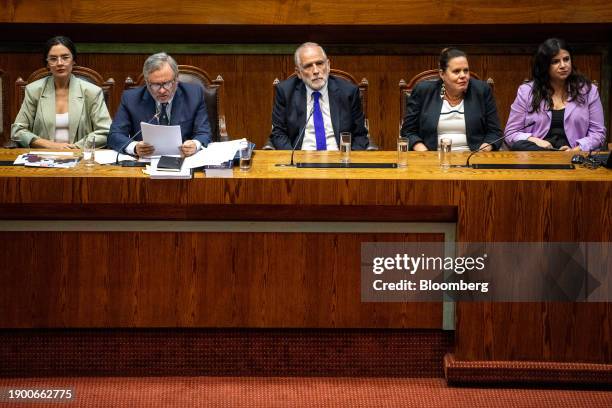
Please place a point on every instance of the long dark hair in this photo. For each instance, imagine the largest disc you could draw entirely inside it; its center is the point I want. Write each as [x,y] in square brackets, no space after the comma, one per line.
[577,84]
[59,40]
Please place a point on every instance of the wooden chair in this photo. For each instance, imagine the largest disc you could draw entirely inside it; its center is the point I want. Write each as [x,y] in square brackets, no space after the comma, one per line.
[86,74]
[212,96]
[429,75]
[5,126]
[363,95]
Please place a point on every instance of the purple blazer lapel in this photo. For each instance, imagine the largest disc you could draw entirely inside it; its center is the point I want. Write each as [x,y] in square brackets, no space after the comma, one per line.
[569,108]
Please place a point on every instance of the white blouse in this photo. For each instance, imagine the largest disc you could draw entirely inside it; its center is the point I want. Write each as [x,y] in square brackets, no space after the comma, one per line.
[452,125]
[62,134]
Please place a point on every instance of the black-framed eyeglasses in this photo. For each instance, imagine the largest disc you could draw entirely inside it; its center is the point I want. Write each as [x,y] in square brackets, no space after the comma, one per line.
[54,60]
[155,87]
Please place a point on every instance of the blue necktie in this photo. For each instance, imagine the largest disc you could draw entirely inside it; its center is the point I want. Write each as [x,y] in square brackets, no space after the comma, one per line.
[317,117]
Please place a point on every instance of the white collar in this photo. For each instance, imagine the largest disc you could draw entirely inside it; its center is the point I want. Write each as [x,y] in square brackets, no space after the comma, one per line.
[322,91]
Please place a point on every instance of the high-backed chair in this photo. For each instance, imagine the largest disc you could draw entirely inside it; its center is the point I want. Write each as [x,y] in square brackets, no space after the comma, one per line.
[86,74]
[429,75]
[363,95]
[4,112]
[212,96]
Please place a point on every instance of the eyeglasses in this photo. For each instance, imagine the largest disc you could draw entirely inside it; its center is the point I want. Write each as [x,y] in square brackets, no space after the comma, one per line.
[155,87]
[62,58]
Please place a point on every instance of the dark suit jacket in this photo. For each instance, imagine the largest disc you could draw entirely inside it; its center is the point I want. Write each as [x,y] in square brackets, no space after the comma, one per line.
[137,105]
[289,114]
[423,113]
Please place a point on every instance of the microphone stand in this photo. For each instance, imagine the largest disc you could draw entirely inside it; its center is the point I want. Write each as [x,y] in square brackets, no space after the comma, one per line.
[300,136]
[467,162]
[131,139]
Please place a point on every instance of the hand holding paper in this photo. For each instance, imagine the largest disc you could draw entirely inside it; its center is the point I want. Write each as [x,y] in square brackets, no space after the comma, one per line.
[166,140]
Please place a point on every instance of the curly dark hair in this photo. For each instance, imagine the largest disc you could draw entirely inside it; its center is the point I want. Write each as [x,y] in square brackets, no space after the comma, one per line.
[578,85]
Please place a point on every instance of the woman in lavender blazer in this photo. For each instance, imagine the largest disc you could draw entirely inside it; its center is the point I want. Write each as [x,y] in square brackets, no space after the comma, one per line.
[559,109]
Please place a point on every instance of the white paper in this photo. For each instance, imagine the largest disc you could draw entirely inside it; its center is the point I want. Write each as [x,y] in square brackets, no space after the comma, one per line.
[166,140]
[214,154]
[106,156]
[20,159]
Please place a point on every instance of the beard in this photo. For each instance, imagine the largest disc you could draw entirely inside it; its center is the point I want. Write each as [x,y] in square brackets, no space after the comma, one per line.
[317,84]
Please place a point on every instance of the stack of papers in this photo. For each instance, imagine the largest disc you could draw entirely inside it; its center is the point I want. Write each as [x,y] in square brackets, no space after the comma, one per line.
[105,156]
[154,173]
[214,155]
[217,159]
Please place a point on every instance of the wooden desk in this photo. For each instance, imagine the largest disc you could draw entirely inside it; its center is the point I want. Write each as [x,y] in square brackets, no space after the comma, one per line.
[239,252]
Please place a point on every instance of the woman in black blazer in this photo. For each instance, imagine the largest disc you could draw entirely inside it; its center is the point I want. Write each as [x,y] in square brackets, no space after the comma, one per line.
[455,106]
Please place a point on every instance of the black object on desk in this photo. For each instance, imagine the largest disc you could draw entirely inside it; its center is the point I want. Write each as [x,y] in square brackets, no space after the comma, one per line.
[497,166]
[605,159]
[346,165]
[132,163]
[170,163]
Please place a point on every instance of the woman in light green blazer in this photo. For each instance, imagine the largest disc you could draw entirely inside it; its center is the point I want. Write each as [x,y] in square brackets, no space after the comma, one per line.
[60,111]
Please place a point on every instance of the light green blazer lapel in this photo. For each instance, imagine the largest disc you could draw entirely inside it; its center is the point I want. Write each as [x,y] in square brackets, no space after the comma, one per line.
[47,107]
[75,106]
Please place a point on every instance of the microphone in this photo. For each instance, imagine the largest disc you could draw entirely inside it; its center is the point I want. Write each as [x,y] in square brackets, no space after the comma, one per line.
[467,162]
[300,136]
[131,139]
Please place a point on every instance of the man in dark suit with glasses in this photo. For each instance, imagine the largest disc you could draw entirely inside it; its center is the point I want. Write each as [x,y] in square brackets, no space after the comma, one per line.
[165,101]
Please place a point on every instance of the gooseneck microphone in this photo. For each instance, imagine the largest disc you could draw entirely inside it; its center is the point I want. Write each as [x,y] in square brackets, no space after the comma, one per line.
[300,136]
[131,139]
[467,162]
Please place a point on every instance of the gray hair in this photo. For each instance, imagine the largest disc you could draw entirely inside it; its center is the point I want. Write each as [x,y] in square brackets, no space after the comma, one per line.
[157,61]
[296,55]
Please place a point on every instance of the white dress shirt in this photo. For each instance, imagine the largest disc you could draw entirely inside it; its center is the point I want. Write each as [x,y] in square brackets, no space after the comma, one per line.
[310,140]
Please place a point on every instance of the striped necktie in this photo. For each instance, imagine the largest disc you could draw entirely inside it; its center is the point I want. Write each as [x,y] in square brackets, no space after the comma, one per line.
[163,117]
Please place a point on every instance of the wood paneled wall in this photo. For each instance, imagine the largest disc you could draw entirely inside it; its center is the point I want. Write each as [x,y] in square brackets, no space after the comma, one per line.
[248,82]
[281,12]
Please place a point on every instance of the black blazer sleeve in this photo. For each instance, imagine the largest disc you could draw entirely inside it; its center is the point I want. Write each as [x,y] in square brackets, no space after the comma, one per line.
[280,127]
[359,132]
[493,128]
[412,119]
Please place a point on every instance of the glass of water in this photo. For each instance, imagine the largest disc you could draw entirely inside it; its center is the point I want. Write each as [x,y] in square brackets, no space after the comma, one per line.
[402,152]
[444,152]
[245,157]
[89,151]
[345,147]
